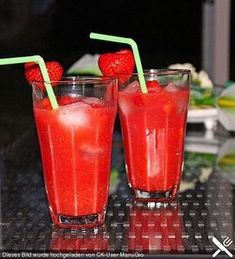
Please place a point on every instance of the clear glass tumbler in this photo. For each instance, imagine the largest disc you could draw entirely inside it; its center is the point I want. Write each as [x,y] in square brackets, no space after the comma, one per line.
[153,129]
[76,142]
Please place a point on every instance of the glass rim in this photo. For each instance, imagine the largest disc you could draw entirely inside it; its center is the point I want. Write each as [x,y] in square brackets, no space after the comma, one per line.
[167,71]
[83,79]
[160,72]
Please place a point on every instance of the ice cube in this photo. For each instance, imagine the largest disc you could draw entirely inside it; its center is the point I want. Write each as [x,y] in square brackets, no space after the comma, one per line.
[133,87]
[125,105]
[93,101]
[171,87]
[74,115]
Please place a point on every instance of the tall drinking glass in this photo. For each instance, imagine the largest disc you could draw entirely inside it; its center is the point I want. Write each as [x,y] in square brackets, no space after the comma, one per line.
[153,129]
[75,142]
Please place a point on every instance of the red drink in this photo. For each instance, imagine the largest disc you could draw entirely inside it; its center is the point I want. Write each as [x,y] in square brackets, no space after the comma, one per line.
[153,128]
[75,143]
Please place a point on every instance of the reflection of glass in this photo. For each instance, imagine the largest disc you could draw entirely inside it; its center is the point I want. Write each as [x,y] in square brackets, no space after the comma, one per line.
[155,229]
[70,240]
[153,127]
[76,141]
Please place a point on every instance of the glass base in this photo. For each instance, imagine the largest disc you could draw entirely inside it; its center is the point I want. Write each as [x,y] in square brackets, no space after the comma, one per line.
[79,222]
[155,196]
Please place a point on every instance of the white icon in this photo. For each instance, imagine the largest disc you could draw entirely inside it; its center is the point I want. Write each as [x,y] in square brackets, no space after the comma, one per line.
[227,242]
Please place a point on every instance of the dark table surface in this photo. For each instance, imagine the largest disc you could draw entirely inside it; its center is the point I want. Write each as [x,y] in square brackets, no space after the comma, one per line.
[205,206]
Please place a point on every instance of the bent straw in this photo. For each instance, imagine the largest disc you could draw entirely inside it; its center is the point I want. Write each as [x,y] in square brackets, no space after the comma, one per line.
[39,60]
[135,50]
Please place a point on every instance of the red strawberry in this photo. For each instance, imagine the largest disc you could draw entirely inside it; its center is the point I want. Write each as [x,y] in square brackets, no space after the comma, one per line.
[33,72]
[153,86]
[120,64]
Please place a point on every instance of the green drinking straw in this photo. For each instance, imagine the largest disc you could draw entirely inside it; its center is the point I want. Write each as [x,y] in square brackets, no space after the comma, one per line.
[39,60]
[134,47]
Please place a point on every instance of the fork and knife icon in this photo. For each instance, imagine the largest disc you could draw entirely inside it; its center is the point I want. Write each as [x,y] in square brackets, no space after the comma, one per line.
[222,247]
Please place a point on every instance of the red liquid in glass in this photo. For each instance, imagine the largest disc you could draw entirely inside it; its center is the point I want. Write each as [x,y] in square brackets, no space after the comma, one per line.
[153,128]
[75,143]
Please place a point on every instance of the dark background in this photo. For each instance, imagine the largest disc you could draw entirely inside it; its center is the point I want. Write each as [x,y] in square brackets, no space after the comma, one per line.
[166,32]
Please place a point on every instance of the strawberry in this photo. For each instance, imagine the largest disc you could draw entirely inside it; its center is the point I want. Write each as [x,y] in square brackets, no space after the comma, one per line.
[119,64]
[33,72]
[153,86]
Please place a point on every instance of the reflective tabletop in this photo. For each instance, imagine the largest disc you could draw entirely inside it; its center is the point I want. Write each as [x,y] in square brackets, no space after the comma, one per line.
[187,228]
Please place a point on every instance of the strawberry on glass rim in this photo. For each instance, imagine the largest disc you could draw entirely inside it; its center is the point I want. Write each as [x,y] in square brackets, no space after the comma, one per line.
[33,72]
[120,64]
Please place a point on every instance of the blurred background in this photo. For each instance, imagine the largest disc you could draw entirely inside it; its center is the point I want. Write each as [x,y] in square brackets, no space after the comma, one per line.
[166,31]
